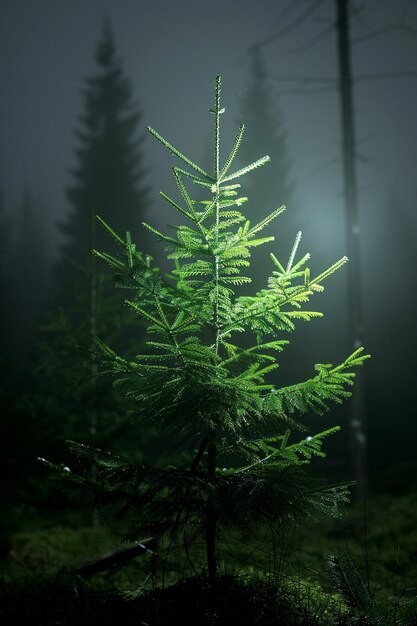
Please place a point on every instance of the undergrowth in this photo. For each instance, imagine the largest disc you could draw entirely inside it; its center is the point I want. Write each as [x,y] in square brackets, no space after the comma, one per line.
[295,584]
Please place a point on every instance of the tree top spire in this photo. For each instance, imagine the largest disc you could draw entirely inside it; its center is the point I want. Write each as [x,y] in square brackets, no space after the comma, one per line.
[106,50]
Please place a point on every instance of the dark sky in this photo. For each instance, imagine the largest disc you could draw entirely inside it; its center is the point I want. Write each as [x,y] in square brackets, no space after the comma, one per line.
[172,51]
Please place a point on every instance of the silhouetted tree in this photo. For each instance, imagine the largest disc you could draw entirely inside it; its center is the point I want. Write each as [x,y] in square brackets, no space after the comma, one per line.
[396,225]
[67,398]
[265,130]
[271,186]
[344,83]
[109,169]
[106,182]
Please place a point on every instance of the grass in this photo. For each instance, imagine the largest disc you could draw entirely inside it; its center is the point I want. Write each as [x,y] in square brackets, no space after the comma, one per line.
[290,586]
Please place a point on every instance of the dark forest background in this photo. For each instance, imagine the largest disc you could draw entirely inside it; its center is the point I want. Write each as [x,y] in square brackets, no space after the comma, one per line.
[65,158]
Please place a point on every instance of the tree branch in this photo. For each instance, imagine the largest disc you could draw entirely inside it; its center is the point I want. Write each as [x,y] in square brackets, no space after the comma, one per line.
[305,79]
[331,84]
[115,559]
[320,168]
[400,27]
[386,75]
[306,92]
[293,25]
[312,42]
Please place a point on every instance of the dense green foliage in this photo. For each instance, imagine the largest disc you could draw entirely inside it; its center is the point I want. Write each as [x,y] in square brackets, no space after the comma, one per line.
[241,462]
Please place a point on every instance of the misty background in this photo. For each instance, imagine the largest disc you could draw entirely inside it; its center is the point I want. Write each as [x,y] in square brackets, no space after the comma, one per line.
[278,62]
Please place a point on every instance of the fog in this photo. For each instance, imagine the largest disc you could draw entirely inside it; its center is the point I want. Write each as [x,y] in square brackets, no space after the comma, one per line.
[171,53]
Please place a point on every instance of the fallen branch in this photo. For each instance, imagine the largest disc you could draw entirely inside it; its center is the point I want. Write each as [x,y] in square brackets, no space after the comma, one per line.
[114,559]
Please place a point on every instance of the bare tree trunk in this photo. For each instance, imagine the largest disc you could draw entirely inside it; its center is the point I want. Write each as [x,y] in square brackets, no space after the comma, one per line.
[357,438]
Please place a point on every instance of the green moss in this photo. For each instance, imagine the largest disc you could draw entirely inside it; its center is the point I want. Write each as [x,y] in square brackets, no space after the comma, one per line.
[38,561]
[381,537]
[50,550]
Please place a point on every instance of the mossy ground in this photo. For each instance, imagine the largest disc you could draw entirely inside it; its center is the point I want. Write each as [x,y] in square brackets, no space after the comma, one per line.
[291,587]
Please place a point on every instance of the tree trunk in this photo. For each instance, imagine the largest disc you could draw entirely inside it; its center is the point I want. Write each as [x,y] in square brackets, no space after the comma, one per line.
[211,521]
[357,438]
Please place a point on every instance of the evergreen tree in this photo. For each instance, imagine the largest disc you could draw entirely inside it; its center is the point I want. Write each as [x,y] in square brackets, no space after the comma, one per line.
[243,463]
[265,130]
[107,179]
[109,169]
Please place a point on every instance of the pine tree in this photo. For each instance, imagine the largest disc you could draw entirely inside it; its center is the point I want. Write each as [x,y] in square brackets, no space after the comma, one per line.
[243,451]
[108,177]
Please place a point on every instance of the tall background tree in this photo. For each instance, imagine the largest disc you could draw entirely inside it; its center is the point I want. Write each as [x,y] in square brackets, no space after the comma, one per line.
[399,234]
[108,176]
[273,185]
[107,180]
[265,130]
[339,23]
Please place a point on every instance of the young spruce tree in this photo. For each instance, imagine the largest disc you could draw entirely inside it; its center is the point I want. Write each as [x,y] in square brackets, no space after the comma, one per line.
[242,465]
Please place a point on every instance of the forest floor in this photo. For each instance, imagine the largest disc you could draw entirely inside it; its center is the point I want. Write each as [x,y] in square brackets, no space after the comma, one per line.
[291,585]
